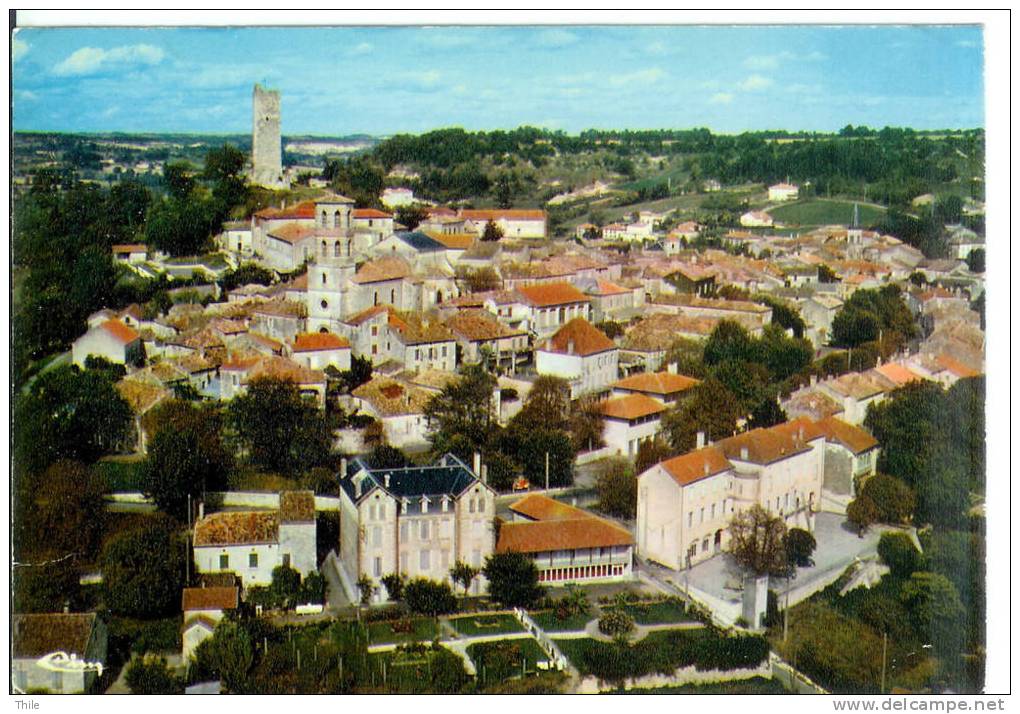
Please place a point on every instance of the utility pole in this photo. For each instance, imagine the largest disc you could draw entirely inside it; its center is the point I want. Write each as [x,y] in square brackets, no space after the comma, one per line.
[187,547]
[786,614]
[547,471]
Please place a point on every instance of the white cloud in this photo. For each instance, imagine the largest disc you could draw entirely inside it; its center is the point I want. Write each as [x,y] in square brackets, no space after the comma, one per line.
[966,43]
[25,95]
[763,61]
[361,49]
[556,38]
[89,60]
[19,48]
[642,76]
[754,82]
[720,98]
[428,78]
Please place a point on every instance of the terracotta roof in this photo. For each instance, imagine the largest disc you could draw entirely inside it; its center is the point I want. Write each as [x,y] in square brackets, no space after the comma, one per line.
[134,310]
[141,396]
[479,325]
[955,366]
[570,534]
[579,337]
[120,332]
[436,379]
[130,248]
[606,288]
[814,402]
[297,507]
[238,528]
[629,407]
[392,398]
[763,446]
[897,373]
[551,294]
[659,331]
[315,341]
[281,308]
[273,367]
[414,329]
[856,385]
[368,314]
[453,241]
[41,634]
[385,268]
[371,213]
[542,508]
[696,465]
[305,209]
[292,233]
[656,383]
[714,303]
[852,437]
[209,599]
[507,213]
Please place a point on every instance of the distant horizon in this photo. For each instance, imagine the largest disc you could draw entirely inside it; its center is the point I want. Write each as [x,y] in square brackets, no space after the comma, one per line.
[380,81]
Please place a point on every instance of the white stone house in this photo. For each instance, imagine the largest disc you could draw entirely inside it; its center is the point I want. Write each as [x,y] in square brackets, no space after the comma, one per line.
[629,421]
[515,223]
[318,350]
[112,340]
[756,219]
[784,192]
[79,635]
[130,254]
[417,520]
[250,544]
[204,608]
[567,544]
[582,354]
[399,407]
[552,305]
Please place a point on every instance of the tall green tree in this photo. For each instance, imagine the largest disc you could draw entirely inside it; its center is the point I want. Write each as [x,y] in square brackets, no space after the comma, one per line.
[758,542]
[616,487]
[143,570]
[461,417]
[513,579]
[711,409]
[279,429]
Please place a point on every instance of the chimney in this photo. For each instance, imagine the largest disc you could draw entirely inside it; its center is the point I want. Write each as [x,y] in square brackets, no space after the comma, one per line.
[701,440]
[706,468]
[476,463]
[485,473]
[343,468]
[201,510]
[743,453]
[357,488]
[386,480]
[570,347]
[672,368]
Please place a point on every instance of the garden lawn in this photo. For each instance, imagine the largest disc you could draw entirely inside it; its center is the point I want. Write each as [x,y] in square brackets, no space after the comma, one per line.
[423,630]
[818,212]
[658,613]
[548,621]
[502,660]
[471,626]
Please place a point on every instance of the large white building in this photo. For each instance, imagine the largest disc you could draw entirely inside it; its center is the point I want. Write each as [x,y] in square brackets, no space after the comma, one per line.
[33,637]
[784,192]
[112,340]
[685,504]
[418,520]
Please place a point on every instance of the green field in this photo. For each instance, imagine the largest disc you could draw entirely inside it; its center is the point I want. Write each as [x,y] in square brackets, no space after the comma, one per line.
[820,212]
[498,661]
[548,621]
[423,630]
[486,625]
[656,613]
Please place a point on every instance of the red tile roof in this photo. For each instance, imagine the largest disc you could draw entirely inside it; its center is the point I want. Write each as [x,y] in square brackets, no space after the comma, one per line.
[238,528]
[957,367]
[368,314]
[130,248]
[479,325]
[315,341]
[542,508]
[385,268]
[297,507]
[852,437]
[305,209]
[579,337]
[632,406]
[550,294]
[656,383]
[763,446]
[569,534]
[897,373]
[371,213]
[41,634]
[696,465]
[120,332]
[218,598]
[292,233]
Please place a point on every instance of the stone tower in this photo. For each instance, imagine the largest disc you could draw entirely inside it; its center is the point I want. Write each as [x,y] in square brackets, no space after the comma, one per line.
[266,153]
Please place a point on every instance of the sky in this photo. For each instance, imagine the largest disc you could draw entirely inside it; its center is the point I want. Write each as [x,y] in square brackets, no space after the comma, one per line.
[338,81]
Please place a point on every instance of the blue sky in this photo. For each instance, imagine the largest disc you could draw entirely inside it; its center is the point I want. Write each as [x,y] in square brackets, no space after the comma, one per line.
[382,80]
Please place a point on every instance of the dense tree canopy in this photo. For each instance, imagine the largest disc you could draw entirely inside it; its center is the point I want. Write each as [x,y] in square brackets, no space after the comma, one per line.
[279,429]
[758,542]
[711,409]
[461,416]
[616,487]
[867,313]
[513,579]
[143,571]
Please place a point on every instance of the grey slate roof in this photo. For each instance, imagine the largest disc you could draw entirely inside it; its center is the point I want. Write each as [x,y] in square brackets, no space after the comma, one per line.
[421,242]
[448,477]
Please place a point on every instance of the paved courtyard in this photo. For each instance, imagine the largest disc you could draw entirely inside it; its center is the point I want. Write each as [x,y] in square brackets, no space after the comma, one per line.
[717,581]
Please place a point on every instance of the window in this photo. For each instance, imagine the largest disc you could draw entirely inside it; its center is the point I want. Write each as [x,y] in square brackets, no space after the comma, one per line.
[375,330]
[286,560]
[324,304]
[444,350]
[336,249]
[424,560]
[702,518]
[323,278]
[224,561]
[690,518]
[253,560]
[424,506]
[471,505]
[424,530]
[481,505]
[393,296]
[403,531]
[377,567]
[336,219]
